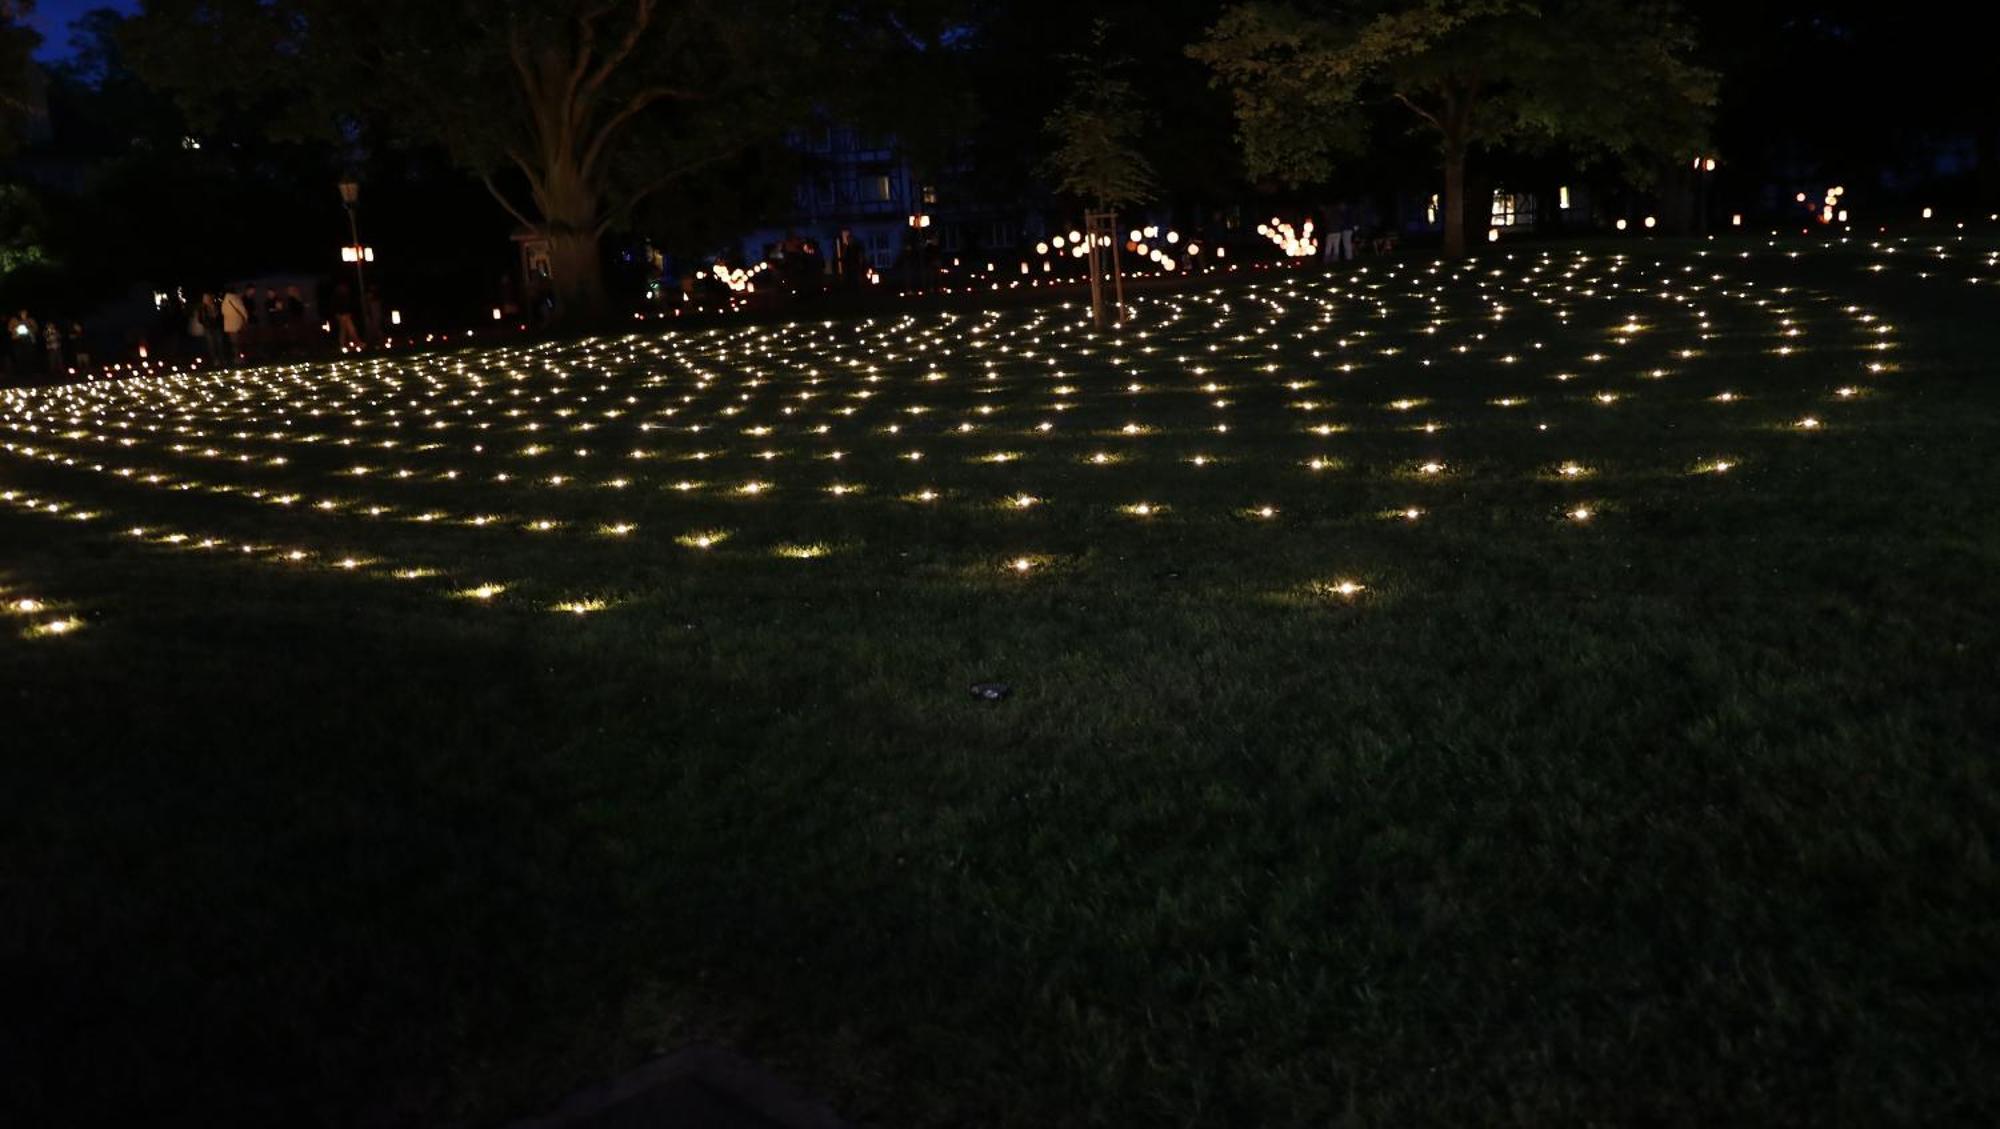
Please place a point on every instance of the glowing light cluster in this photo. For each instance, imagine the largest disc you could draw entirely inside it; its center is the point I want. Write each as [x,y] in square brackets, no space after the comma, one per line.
[1297,243]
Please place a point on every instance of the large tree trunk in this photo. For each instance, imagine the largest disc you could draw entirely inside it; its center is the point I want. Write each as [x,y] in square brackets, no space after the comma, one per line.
[576,274]
[570,222]
[1454,197]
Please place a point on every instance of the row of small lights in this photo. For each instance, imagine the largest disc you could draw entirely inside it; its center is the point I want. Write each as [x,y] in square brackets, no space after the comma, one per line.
[1147,509]
[35,610]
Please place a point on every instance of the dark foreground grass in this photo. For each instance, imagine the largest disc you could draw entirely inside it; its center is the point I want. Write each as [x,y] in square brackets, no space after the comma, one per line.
[1683,813]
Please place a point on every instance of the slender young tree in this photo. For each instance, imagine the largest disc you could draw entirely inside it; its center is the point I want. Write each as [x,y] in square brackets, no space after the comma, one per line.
[1096,131]
[1612,75]
[18,77]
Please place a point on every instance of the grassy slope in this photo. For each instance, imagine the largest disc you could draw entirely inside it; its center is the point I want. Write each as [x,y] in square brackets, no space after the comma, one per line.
[1686,812]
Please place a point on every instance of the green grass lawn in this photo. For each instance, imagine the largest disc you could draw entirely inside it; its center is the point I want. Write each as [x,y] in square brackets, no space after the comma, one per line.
[1449,739]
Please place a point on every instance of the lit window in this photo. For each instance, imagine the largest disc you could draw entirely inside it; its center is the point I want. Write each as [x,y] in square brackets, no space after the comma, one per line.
[1512,208]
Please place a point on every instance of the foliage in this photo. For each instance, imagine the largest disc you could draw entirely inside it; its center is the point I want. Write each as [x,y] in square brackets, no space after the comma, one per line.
[572,113]
[137,198]
[1096,130]
[19,77]
[1607,74]
[22,230]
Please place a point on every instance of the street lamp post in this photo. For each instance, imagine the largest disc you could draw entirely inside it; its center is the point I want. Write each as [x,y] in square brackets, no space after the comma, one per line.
[919,223]
[1704,179]
[350,195]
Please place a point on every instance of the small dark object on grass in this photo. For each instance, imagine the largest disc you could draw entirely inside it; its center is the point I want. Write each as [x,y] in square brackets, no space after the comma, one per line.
[991,691]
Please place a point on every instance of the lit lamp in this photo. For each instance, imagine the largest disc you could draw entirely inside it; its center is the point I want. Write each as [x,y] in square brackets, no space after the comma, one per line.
[918,222]
[354,252]
[1704,187]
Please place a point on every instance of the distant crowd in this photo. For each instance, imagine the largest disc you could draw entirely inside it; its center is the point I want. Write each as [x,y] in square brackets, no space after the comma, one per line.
[219,328]
[241,324]
[38,349]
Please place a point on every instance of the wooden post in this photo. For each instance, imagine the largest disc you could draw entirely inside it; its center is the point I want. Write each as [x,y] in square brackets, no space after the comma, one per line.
[1101,229]
[1096,273]
[1118,270]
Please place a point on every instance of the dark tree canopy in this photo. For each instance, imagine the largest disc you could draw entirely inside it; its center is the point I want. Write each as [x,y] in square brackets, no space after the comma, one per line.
[1609,74]
[664,117]
[19,80]
[1096,130]
[572,112]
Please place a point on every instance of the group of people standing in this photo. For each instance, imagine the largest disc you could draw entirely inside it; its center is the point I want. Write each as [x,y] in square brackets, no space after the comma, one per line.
[795,263]
[37,348]
[799,263]
[1337,235]
[236,323]
[1347,228]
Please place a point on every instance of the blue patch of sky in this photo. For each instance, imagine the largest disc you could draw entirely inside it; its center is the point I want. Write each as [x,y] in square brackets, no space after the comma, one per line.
[53,17]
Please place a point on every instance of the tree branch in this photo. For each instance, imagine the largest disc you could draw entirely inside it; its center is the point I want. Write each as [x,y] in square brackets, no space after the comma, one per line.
[642,17]
[586,48]
[630,110]
[1418,110]
[536,186]
[519,54]
[494,188]
[624,209]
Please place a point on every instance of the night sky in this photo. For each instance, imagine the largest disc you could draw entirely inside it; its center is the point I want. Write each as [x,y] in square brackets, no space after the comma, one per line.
[52,19]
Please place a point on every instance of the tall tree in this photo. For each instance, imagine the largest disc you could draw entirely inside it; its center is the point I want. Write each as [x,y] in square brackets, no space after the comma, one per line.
[1607,74]
[1096,130]
[571,112]
[19,78]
